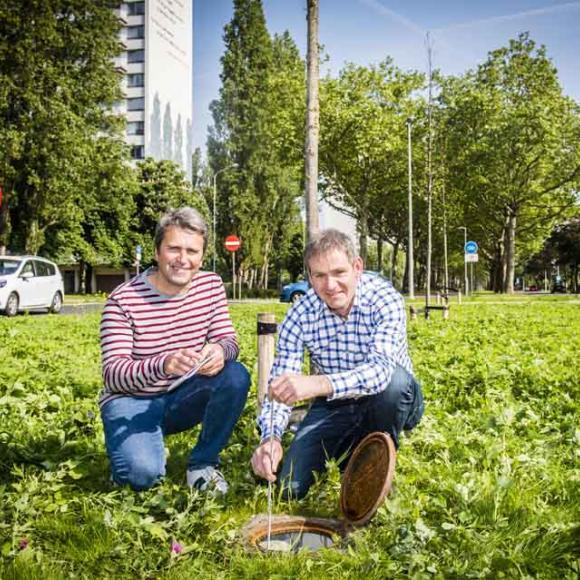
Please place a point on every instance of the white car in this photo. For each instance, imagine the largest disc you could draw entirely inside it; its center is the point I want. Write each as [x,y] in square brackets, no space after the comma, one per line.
[28,283]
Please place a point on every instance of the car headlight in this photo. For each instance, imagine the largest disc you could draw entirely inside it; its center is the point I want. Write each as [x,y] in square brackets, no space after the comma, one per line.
[3,283]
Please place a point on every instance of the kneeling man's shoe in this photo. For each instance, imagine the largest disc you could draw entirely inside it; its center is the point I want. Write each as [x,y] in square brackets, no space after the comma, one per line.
[207,479]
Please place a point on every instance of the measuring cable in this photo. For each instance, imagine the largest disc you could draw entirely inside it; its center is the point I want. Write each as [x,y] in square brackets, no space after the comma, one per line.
[271,469]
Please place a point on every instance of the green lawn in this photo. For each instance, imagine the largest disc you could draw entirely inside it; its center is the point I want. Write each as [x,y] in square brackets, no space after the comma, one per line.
[486,487]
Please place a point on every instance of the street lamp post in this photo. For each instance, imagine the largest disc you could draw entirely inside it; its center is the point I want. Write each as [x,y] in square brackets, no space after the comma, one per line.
[214,207]
[465,283]
[410,273]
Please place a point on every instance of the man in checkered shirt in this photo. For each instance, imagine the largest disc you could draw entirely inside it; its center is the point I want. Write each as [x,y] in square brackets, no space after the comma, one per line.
[353,325]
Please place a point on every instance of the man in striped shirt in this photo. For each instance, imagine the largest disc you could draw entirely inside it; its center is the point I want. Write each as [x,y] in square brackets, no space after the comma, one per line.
[170,323]
[353,325]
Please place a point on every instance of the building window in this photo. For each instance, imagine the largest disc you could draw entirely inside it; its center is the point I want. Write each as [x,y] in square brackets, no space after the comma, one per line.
[136,32]
[135,128]
[136,55]
[136,8]
[136,104]
[138,152]
[136,80]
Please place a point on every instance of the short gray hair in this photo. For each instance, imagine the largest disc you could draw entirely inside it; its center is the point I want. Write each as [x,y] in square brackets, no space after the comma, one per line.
[327,241]
[185,218]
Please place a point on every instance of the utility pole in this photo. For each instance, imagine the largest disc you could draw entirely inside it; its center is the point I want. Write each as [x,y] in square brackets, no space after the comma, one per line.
[445,244]
[465,284]
[411,264]
[429,179]
[312,123]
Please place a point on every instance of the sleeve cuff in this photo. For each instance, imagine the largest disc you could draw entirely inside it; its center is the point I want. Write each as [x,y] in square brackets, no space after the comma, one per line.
[276,432]
[160,367]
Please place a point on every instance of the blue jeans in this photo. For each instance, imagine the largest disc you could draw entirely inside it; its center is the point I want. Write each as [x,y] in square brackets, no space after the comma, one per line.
[332,429]
[135,426]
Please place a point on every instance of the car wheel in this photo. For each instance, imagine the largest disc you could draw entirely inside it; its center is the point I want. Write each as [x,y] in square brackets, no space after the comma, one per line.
[56,304]
[12,305]
[296,296]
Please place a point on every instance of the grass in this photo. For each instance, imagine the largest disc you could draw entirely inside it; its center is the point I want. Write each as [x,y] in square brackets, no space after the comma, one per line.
[486,487]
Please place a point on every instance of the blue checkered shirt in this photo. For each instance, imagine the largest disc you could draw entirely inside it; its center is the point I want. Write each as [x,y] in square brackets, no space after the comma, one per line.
[357,354]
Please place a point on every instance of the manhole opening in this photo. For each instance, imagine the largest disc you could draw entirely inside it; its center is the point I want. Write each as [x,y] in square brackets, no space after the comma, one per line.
[294,541]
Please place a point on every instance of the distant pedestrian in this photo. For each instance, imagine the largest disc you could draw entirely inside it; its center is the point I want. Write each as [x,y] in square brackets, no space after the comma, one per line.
[155,328]
[353,325]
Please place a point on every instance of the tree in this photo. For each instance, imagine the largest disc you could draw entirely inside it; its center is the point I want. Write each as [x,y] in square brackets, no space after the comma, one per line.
[99,232]
[363,148]
[512,152]
[562,250]
[57,84]
[256,125]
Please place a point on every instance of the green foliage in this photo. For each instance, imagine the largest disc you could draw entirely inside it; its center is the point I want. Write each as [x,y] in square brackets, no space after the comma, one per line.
[363,146]
[486,486]
[258,125]
[561,248]
[58,83]
[511,152]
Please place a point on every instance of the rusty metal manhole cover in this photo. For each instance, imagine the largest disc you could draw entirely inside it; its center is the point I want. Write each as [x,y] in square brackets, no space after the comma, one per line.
[367,478]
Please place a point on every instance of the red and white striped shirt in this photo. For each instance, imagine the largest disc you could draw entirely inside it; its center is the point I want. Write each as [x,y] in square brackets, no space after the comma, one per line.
[140,327]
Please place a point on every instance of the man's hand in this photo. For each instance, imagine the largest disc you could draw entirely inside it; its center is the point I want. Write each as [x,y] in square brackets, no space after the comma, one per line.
[264,463]
[289,389]
[181,361]
[216,361]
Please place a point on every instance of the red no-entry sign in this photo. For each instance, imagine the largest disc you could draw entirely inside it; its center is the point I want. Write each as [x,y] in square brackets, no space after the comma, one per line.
[232,243]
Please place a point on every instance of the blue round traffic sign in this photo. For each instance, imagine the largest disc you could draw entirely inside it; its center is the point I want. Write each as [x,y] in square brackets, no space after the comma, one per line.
[471,248]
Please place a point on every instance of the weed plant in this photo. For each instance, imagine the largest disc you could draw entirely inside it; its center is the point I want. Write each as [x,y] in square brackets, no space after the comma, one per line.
[486,486]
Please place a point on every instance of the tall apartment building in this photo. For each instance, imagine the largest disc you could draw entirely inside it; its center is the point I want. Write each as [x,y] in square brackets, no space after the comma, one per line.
[157,62]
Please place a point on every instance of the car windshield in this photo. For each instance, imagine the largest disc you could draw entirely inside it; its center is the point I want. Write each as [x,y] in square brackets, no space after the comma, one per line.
[8,266]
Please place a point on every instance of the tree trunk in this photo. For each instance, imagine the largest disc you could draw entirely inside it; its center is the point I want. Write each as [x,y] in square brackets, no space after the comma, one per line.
[503,255]
[510,251]
[82,277]
[394,261]
[405,285]
[363,228]
[265,265]
[4,224]
[379,254]
[495,279]
[34,237]
[90,289]
[312,123]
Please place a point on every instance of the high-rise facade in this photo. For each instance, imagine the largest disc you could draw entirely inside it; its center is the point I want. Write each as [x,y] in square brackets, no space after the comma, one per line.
[157,65]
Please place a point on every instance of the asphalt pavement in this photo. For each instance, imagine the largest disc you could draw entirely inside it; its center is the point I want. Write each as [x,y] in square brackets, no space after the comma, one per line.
[83,308]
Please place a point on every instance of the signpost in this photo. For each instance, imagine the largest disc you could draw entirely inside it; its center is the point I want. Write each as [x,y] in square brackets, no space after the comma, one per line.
[138,256]
[233,244]
[471,247]
[471,256]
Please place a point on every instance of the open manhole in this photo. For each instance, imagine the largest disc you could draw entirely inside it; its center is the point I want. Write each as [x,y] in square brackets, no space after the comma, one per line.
[365,484]
[294,541]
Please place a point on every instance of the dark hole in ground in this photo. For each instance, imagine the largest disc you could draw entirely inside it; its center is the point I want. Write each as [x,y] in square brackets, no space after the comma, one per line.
[295,541]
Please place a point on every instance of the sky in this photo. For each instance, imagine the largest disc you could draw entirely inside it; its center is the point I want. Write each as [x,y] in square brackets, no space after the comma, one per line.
[462,32]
